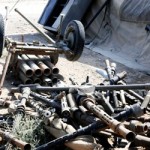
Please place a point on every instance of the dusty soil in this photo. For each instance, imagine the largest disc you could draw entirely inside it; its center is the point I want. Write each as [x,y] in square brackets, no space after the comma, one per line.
[17,26]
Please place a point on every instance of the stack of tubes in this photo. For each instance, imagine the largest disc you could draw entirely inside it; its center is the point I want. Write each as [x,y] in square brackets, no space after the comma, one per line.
[83,117]
[37,69]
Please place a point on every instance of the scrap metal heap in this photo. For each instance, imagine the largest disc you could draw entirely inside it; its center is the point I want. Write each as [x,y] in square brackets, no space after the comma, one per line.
[105,116]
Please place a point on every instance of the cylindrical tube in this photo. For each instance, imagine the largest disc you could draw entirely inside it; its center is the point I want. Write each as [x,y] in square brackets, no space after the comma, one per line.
[37,71]
[24,79]
[53,78]
[45,100]
[97,87]
[9,137]
[115,125]
[55,70]
[25,68]
[136,126]
[45,69]
[65,111]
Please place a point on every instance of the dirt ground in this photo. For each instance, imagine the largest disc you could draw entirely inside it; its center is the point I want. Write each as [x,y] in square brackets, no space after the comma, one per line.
[78,70]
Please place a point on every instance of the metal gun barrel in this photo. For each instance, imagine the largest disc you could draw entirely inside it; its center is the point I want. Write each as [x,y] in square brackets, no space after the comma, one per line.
[45,69]
[97,125]
[25,68]
[65,111]
[45,100]
[36,87]
[9,137]
[37,71]
[115,125]
[136,126]
[24,79]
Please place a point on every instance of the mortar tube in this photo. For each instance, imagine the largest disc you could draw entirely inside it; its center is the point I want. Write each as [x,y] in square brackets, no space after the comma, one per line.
[53,78]
[45,69]
[37,71]
[55,70]
[25,68]
[24,79]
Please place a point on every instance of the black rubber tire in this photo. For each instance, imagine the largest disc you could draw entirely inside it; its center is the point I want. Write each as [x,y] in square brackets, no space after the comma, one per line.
[74,37]
[2,36]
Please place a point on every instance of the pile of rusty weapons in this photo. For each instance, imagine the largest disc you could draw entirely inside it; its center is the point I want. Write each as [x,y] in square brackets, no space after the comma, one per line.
[108,115]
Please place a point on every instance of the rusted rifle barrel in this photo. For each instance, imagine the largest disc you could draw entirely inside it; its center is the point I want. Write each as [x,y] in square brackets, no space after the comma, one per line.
[65,111]
[39,109]
[136,95]
[115,125]
[136,126]
[36,87]
[25,68]
[24,79]
[25,95]
[37,71]
[10,138]
[96,125]
[45,69]
[45,100]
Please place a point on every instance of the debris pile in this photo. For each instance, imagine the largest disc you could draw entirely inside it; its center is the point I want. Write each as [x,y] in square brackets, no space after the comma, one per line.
[105,116]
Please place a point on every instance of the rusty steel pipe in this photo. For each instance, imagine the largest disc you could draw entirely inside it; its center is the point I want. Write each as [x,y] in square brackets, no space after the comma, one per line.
[10,138]
[37,71]
[52,67]
[25,68]
[54,79]
[45,69]
[36,87]
[24,79]
[46,60]
[115,125]
[55,70]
